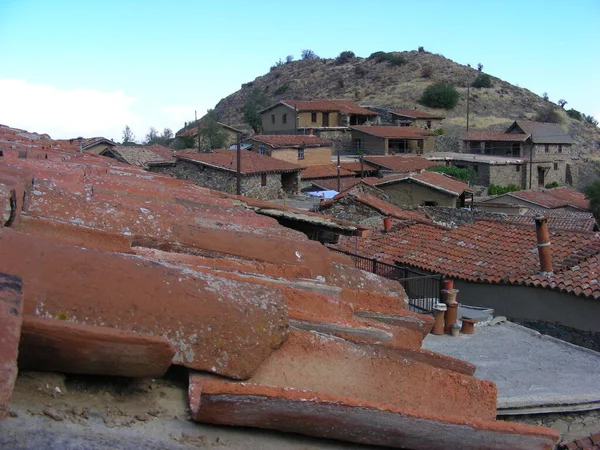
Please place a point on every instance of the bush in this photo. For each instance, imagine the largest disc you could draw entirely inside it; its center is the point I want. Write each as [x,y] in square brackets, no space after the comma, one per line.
[590,119]
[574,114]
[421,49]
[394,60]
[360,71]
[440,95]
[465,175]
[549,114]
[552,185]
[483,80]
[282,89]
[340,83]
[345,57]
[309,54]
[499,190]
[439,132]
[289,58]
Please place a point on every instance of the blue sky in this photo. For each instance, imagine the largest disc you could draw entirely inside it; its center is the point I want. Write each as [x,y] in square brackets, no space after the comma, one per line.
[89,68]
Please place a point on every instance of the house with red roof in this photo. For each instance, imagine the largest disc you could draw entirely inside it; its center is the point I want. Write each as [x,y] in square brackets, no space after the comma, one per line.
[415,118]
[293,116]
[546,147]
[301,149]
[262,177]
[148,157]
[391,140]
[560,199]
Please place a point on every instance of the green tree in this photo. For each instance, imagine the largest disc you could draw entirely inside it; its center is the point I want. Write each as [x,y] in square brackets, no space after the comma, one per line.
[256,101]
[465,175]
[440,95]
[345,57]
[590,119]
[549,114]
[152,137]
[128,137]
[592,193]
[574,114]
[309,54]
[483,80]
[211,133]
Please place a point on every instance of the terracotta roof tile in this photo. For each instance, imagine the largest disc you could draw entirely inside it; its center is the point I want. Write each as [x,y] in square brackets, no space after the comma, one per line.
[400,163]
[142,156]
[355,166]
[252,163]
[413,113]
[291,140]
[324,171]
[565,220]
[393,132]
[434,180]
[554,198]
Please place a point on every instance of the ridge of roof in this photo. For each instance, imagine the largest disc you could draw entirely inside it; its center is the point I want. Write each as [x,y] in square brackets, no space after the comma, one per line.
[252,162]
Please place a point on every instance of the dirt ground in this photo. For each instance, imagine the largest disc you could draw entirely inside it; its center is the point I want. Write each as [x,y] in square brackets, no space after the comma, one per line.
[56,411]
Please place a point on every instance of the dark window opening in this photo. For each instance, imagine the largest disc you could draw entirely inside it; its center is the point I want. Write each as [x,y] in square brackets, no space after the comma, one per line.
[325,119]
[476,169]
[560,149]
[313,117]
[263,179]
[430,203]
[273,119]
[300,153]
[546,148]
[261,149]
[358,143]
[429,124]
[555,166]
[518,168]
[284,118]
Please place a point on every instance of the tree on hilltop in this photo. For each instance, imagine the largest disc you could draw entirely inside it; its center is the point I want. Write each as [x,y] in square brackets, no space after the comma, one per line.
[256,101]
[128,137]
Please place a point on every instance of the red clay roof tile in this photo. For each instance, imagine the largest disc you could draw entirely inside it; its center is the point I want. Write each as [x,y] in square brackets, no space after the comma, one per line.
[252,163]
[554,198]
[400,163]
[291,140]
[324,171]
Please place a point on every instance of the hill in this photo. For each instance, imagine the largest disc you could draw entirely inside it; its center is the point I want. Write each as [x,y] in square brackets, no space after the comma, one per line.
[372,82]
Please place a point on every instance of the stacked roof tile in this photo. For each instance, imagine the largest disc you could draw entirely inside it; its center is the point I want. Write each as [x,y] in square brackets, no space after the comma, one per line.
[251,162]
[142,156]
[324,171]
[291,140]
[400,163]
[565,220]
[553,198]
[107,251]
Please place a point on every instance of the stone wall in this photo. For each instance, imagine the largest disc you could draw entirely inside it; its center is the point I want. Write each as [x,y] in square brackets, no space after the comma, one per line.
[222,180]
[587,339]
[454,217]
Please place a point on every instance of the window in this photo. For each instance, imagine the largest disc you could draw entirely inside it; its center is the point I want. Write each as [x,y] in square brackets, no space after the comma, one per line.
[518,168]
[358,143]
[476,169]
[429,124]
[300,153]
[560,148]
[547,148]
[263,179]
[313,117]
[272,119]
[555,166]
[284,118]
[430,203]
[261,149]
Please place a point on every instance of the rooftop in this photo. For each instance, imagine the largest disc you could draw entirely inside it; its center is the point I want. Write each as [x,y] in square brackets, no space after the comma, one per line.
[469,157]
[291,140]
[565,220]
[142,156]
[415,114]
[343,106]
[399,163]
[393,132]
[521,130]
[252,163]
[551,198]
[324,171]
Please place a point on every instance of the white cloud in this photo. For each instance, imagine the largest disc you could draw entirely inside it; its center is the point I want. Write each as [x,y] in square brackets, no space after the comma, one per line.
[66,113]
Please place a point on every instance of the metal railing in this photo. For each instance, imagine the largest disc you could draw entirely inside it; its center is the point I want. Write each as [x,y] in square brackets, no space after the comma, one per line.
[423,290]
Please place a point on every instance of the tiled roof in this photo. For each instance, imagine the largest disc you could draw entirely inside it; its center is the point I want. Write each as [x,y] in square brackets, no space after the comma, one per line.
[554,198]
[491,252]
[331,184]
[291,140]
[198,279]
[495,136]
[400,163]
[142,156]
[252,163]
[193,130]
[355,166]
[344,106]
[415,114]
[324,171]
[438,181]
[588,443]
[564,220]
[393,132]
[545,133]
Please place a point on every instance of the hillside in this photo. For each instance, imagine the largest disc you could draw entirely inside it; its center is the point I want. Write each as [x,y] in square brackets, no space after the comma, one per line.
[380,84]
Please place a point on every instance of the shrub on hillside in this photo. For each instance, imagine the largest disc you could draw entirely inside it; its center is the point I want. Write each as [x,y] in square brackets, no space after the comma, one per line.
[552,185]
[390,58]
[427,72]
[309,54]
[590,119]
[440,95]
[483,80]
[360,71]
[574,114]
[345,57]
[499,190]
[282,89]
[463,174]
[549,114]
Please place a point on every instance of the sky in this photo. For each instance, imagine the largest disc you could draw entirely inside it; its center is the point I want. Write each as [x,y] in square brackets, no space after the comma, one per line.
[88,68]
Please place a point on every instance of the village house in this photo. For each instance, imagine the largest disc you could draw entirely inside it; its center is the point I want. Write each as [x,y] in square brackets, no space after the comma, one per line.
[497,265]
[546,148]
[399,163]
[329,171]
[151,157]
[414,118]
[262,177]
[294,116]
[391,140]
[231,134]
[562,199]
[302,149]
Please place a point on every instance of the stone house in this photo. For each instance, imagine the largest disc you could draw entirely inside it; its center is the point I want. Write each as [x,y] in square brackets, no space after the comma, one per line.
[322,172]
[414,118]
[230,132]
[546,148]
[97,145]
[262,177]
[148,157]
[558,199]
[391,140]
[302,149]
[293,116]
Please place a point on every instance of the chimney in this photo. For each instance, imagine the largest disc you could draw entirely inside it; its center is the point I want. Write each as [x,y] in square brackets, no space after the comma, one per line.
[387,224]
[311,132]
[79,140]
[543,244]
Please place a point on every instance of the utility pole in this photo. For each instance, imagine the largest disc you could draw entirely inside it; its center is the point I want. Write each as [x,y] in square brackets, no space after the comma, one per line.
[339,183]
[530,160]
[468,101]
[239,166]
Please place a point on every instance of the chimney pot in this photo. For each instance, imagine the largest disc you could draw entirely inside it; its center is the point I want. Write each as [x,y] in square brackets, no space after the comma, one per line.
[543,244]
[387,224]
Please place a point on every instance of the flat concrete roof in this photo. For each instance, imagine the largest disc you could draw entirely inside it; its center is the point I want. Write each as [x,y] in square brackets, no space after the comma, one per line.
[534,373]
[472,157]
